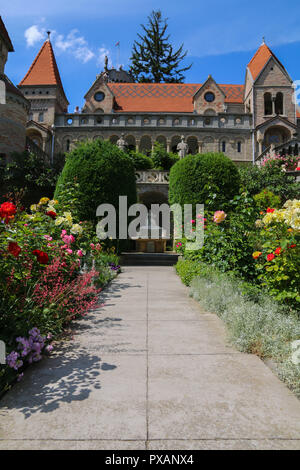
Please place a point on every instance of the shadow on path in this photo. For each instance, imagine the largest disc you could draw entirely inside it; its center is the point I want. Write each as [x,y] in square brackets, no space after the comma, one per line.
[68,376]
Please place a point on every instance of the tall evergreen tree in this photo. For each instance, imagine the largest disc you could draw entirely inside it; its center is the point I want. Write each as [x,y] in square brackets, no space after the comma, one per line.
[153,59]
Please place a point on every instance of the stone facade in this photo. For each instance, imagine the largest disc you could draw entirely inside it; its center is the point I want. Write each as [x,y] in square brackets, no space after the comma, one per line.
[239,120]
[13,106]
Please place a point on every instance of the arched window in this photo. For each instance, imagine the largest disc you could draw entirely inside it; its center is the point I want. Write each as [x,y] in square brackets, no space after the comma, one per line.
[41,117]
[268,104]
[223,146]
[239,147]
[68,145]
[279,103]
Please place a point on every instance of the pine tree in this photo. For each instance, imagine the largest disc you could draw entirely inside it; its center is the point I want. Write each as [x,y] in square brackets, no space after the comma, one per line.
[153,59]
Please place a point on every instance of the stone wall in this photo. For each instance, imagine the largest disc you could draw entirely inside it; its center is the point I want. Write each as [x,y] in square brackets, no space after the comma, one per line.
[13,118]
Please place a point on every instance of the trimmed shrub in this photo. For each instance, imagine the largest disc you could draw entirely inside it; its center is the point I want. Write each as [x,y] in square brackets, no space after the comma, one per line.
[266,199]
[141,161]
[211,179]
[102,172]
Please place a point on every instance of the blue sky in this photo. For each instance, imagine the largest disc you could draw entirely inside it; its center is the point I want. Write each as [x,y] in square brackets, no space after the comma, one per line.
[220,36]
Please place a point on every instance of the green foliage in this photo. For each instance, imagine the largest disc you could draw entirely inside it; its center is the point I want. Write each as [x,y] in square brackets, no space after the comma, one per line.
[278,255]
[141,161]
[47,276]
[255,179]
[102,173]
[162,159]
[153,58]
[188,269]
[29,174]
[265,199]
[211,179]
[256,323]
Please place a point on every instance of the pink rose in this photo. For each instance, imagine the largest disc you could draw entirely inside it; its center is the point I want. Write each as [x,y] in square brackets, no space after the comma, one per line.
[80,253]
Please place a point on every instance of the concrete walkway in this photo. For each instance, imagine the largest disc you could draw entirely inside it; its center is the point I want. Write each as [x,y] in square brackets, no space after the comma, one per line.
[149,370]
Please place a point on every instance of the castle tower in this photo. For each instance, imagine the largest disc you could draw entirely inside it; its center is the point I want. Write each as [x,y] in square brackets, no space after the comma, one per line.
[13,106]
[269,97]
[42,86]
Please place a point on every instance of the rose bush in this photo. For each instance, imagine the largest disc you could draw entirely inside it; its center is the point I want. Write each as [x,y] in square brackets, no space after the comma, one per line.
[278,258]
[49,275]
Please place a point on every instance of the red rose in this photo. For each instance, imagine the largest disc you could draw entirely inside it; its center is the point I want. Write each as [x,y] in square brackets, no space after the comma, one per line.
[41,256]
[7,211]
[270,211]
[278,250]
[51,214]
[270,257]
[293,246]
[14,249]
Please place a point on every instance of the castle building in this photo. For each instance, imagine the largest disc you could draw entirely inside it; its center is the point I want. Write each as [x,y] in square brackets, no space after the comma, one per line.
[243,121]
[13,105]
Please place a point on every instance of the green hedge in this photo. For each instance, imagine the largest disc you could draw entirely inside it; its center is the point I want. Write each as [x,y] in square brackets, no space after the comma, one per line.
[211,179]
[102,172]
[141,161]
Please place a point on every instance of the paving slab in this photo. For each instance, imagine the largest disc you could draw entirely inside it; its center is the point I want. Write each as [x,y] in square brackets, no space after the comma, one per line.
[149,369]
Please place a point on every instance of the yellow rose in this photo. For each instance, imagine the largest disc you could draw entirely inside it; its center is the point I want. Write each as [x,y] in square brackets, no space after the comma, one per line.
[44,200]
[59,220]
[76,229]
[33,208]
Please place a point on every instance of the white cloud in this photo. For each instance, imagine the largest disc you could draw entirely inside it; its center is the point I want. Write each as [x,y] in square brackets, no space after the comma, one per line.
[34,34]
[76,45]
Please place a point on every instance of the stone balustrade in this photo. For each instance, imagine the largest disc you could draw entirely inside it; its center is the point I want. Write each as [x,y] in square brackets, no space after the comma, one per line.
[152,177]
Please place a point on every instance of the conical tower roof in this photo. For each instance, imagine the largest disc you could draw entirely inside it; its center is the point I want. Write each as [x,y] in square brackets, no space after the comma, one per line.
[44,70]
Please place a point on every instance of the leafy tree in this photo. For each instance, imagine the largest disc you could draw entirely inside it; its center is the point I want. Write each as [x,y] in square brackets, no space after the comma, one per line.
[29,176]
[153,59]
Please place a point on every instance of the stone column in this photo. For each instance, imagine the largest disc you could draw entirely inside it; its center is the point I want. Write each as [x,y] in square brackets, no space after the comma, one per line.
[273,105]
[200,146]
[168,146]
[137,145]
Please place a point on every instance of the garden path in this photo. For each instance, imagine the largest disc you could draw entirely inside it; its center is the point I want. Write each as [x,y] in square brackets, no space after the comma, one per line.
[151,370]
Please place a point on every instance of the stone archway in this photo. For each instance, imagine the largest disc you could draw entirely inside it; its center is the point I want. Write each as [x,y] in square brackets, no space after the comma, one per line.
[130,142]
[276,135]
[174,142]
[161,139]
[192,142]
[36,137]
[146,144]
[114,139]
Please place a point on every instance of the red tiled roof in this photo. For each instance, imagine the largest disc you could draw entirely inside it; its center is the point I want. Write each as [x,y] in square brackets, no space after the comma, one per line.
[164,97]
[5,36]
[44,70]
[260,59]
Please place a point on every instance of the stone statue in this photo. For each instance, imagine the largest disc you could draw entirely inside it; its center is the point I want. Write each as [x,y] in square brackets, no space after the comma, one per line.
[106,63]
[121,142]
[182,148]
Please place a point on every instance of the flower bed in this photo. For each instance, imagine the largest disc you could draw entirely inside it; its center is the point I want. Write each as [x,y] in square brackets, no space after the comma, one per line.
[248,273]
[51,272]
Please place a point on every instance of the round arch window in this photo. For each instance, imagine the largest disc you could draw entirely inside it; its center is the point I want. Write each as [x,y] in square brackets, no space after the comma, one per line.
[209,97]
[99,96]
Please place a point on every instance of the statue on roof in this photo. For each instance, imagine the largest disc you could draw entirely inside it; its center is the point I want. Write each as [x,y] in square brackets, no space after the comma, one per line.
[106,63]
